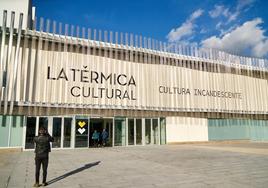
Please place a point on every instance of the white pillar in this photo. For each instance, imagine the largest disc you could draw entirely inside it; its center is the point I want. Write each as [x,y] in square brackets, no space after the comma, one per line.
[37,126]
[127,131]
[73,132]
[135,131]
[9,130]
[143,131]
[151,140]
[24,132]
[113,132]
[62,132]
[158,126]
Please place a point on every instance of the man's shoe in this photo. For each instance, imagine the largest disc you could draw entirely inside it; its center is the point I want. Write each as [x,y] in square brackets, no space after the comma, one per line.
[44,184]
[36,185]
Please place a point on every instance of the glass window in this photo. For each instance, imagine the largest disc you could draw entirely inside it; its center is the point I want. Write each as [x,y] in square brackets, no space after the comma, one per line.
[96,128]
[30,132]
[162,130]
[138,132]
[109,129]
[4,79]
[81,132]
[43,122]
[130,131]
[147,131]
[67,132]
[155,132]
[11,130]
[56,132]
[4,130]
[16,132]
[120,132]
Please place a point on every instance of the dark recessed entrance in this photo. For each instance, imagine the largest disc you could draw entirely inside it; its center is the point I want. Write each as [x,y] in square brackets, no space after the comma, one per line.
[98,124]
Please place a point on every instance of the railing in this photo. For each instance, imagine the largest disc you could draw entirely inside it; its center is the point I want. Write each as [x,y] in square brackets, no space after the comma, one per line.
[10,59]
[140,42]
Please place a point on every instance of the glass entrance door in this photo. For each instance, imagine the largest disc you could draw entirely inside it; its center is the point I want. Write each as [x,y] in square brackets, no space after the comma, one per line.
[120,131]
[147,131]
[67,128]
[155,132]
[30,132]
[162,130]
[33,124]
[56,132]
[108,125]
[138,131]
[96,127]
[43,122]
[81,132]
[131,132]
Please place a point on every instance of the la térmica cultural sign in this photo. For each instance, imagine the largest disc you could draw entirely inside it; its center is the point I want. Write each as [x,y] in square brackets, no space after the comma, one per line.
[100,81]
[93,77]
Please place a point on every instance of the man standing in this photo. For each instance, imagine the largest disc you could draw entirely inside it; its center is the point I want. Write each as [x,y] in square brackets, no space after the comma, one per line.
[104,137]
[42,149]
[95,138]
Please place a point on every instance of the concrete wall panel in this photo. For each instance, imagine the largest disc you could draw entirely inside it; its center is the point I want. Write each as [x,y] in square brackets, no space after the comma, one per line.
[184,129]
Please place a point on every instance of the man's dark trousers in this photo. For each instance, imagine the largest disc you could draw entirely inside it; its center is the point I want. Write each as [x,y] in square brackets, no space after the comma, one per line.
[38,161]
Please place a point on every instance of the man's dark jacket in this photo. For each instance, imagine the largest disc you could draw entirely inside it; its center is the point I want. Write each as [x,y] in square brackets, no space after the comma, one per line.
[42,147]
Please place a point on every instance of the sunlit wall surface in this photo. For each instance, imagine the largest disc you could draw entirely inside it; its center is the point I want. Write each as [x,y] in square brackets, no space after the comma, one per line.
[62,76]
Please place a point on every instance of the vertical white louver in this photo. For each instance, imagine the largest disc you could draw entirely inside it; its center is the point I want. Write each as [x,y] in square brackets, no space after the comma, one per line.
[27,58]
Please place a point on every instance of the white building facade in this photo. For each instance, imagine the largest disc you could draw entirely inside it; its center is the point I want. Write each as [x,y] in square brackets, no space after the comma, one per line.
[74,80]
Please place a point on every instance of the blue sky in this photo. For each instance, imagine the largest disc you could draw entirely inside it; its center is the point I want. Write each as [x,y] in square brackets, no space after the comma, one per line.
[238,26]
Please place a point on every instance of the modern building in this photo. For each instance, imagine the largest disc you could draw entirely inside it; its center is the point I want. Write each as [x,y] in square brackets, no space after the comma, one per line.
[73,81]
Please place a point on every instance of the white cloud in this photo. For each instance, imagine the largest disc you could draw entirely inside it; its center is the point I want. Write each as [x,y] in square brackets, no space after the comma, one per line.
[241,5]
[226,12]
[218,26]
[186,29]
[203,30]
[233,16]
[248,37]
[196,14]
[224,31]
[221,10]
[217,11]
[244,3]
[261,49]
[177,34]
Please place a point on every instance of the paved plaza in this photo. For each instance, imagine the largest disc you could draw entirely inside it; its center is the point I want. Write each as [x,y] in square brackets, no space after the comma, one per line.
[188,165]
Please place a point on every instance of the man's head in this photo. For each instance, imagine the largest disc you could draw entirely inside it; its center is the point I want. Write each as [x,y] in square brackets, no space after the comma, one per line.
[42,131]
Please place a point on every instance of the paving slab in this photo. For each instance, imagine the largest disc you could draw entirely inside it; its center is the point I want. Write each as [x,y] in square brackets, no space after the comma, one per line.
[188,165]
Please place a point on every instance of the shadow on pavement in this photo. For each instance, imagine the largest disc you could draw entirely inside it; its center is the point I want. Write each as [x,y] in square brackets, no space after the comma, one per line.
[86,166]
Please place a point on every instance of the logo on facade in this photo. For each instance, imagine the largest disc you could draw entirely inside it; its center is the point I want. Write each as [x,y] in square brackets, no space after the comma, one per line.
[81,124]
